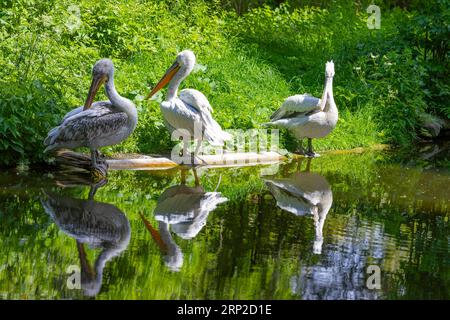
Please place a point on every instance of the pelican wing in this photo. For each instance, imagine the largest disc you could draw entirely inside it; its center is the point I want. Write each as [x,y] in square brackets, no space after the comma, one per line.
[98,104]
[290,201]
[179,115]
[193,108]
[300,120]
[208,203]
[196,99]
[289,123]
[301,193]
[80,127]
[178,203]
[185,205]
[77,111]
[173,191]
[294,105]
[87,221]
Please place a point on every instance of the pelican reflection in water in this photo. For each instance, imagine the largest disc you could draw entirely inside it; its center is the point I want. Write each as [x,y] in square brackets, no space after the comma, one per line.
[100,225]
[304,193]
[185,211]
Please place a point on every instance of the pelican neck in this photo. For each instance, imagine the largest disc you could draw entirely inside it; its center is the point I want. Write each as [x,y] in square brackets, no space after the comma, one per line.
[172,90]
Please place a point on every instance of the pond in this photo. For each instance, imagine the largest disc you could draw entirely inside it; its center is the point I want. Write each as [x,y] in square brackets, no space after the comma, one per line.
[373,225]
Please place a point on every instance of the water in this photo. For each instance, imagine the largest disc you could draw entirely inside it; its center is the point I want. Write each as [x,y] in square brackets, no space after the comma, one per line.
[308,232]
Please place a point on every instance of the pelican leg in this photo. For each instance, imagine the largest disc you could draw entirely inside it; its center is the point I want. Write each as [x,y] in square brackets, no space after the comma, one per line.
[183,153]
[196,158]
[100,157]
[197,181]
[94,157]
[300,150]
[95,187]
[299,165]
[308,165]
[84,262]
[183,176]
[99,169]
[310,152]
[185,148]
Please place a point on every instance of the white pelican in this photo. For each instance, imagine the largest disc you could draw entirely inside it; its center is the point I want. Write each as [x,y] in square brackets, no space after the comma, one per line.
[190,111]
[103,123]
[186,210]
[304,193]
[309,117]
[100,225]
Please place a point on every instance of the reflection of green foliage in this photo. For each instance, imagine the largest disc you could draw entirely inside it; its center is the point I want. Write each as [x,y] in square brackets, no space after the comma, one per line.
[249,248]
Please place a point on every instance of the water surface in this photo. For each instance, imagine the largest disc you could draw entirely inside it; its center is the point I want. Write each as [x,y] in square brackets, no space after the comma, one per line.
[309,231]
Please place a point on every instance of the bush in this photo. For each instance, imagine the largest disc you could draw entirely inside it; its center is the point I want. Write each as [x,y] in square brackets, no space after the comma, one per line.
[248,64]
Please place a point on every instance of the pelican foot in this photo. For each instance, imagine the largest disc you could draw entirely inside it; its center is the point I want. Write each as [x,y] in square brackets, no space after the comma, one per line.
[312,155]
[198,161]
[300,152]
[99,170]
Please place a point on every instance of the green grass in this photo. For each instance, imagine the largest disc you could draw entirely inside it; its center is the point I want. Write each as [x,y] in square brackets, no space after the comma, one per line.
[251,63]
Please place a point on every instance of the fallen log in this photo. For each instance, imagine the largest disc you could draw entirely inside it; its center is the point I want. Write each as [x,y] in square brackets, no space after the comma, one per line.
[77,161]
[70,161]
[220,160]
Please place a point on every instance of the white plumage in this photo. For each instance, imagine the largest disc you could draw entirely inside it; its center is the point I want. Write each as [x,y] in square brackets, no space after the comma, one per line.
[190,110]
[309,117]
[185,210]
[300,103]
[304,193]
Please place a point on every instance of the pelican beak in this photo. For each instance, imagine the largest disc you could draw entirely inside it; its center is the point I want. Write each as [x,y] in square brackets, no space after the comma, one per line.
[85,265]
[97,81]
[165,79]
[155,234]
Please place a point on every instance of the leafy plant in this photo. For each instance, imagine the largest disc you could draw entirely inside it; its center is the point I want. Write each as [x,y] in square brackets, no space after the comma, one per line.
[250,62]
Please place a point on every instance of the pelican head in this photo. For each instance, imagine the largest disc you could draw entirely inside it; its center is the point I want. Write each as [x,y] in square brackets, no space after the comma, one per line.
[185,60]
[102,72]
[329,69]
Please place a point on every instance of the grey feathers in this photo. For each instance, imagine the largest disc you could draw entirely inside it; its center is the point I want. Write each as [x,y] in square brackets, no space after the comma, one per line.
[86,128]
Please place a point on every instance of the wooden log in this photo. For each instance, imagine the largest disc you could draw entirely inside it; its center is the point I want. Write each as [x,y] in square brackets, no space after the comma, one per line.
[71,161]
[220,160]
[146,163]
[229,159]
[359,150]
[242,159]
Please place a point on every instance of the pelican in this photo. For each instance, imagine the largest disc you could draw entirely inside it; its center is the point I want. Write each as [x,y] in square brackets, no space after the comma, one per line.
[186,210]
[309,117]
[100,225]
[98,124]
[191,110]
[304,193]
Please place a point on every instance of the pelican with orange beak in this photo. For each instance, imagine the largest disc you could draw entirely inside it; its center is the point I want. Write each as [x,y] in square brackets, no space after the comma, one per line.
[191,110]
[98,124]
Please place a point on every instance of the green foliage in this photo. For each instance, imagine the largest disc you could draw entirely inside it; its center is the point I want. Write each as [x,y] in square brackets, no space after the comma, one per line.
[378,75]
[428,31]
[22,121]
[248,64]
